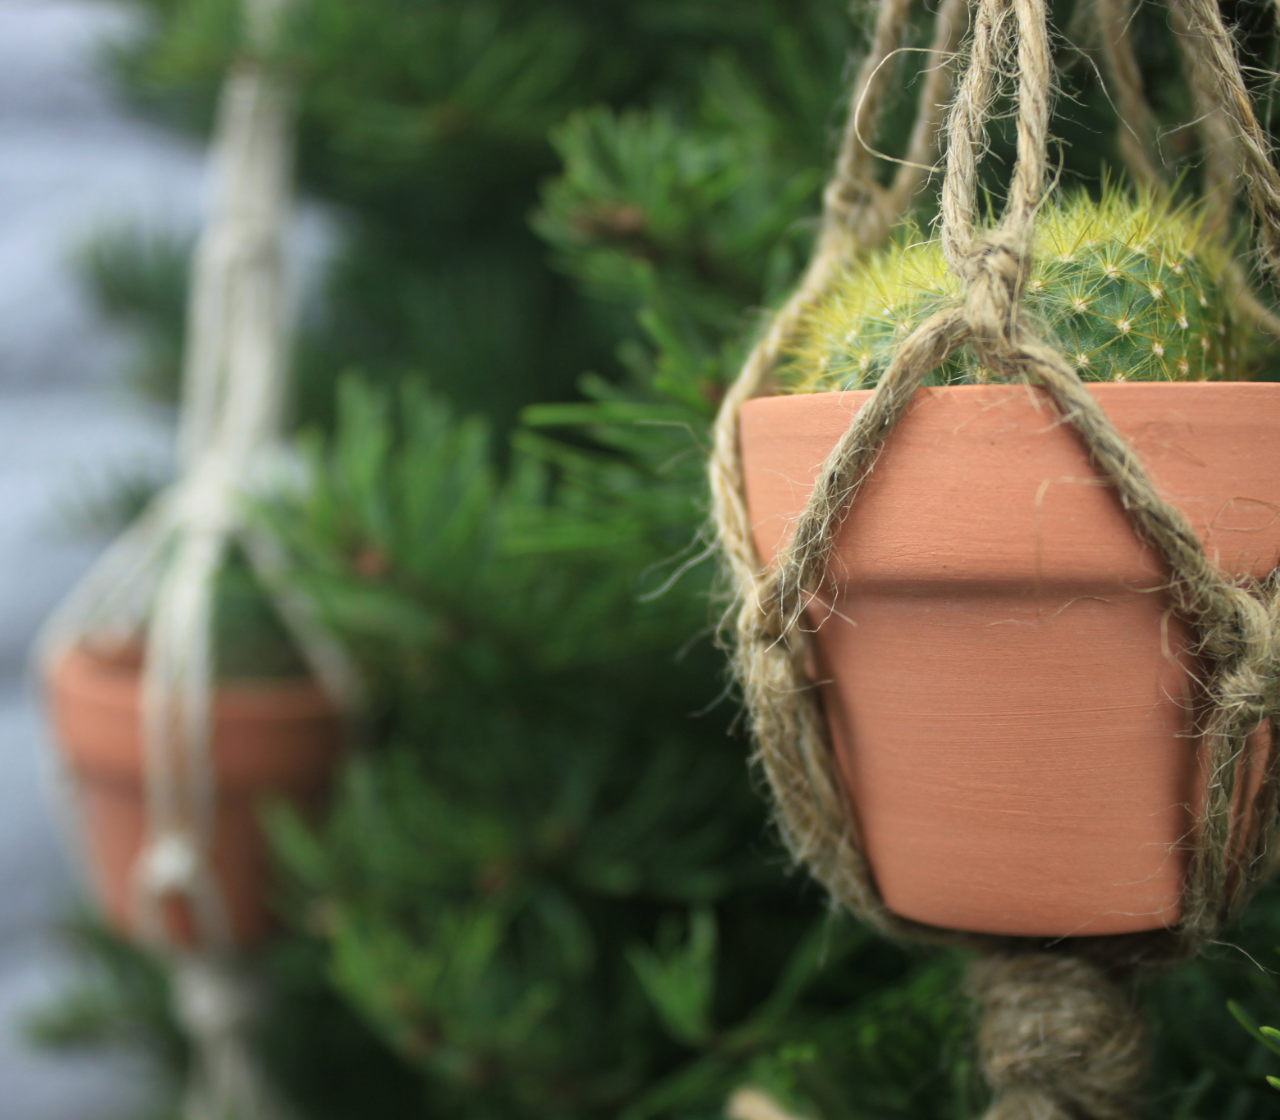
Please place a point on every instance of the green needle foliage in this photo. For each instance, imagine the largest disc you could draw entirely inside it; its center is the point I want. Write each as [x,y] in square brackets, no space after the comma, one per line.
[527,891]
[546,887]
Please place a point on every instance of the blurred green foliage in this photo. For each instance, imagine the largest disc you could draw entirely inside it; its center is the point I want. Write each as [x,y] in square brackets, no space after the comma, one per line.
[547,887]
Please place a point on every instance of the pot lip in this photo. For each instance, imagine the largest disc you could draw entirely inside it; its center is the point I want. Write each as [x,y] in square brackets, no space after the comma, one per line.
[1098,388]
[89,676]
[780,453]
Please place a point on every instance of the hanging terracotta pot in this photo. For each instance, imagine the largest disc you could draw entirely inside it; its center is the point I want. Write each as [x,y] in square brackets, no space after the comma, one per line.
[1012,703]
[271,739]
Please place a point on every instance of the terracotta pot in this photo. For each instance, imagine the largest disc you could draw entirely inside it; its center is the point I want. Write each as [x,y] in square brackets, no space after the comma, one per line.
[271,739]
[1010,700]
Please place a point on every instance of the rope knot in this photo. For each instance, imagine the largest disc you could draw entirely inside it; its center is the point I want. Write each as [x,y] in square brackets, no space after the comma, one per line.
[1059,1038]
[214,999]
[170,864]
[996,272]
[1239,629]
[844,200]
[765,617]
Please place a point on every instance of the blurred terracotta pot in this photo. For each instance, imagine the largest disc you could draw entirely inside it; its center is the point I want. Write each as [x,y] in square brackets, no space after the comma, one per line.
[1010,699]
[271,739]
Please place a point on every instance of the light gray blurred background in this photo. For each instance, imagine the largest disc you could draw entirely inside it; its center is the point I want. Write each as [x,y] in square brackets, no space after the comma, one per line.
[72,160]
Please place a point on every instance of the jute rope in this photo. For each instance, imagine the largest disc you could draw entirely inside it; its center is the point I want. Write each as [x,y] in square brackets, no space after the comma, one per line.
[1137,139]
[1237,147]
[1138,142]
[159,578]
[1060,1038]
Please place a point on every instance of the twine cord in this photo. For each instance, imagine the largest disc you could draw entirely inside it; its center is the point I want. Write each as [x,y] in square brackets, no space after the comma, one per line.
[922,148]
[853,223]
[1137,138]
[233,386]
[1237,148]
[220,1003]
[1137,141]
[158,580]
[1060,1038]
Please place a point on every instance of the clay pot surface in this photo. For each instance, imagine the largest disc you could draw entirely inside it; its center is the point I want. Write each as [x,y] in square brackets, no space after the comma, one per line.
[271,739]
[1010,699]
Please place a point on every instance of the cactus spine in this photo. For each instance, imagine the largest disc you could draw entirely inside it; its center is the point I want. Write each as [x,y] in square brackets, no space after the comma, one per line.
[1128,288]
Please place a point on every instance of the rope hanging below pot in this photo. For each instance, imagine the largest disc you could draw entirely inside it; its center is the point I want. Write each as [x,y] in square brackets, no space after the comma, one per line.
[157,581]
[1060,1037]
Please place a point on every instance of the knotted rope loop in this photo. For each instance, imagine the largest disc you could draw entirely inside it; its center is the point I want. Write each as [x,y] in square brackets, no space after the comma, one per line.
[1059,1039]
[1062,1041]
[849,228]
[967,138]
[214,1000]
[219,1004]
[966,128]
[158,582]
[997,268]
[801,570]
[174,866]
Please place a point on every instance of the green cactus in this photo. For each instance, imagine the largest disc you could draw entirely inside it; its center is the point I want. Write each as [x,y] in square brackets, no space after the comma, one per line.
[1130,289]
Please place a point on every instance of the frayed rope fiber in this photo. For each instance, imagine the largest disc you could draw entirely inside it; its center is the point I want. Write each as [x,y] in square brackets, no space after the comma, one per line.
[1061,1038]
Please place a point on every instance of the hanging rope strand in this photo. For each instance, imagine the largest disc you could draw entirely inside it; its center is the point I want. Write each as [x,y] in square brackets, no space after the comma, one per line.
[1136,136]
[1035,86]
[1137,140]
[854,219]
[994,265]
[1085,1053]
[1211,127]
[234,372]
[234,313]
[922,149]
[1223,170]
[233,385]
[966,133]
[855,161]
[1244,150]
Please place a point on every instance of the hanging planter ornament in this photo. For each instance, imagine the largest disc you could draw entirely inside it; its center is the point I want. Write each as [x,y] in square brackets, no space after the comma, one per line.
[166,766]
[1010,649]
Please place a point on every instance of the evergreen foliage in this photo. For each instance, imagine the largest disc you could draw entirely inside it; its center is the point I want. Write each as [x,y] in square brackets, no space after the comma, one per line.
[547,887]
[139,278]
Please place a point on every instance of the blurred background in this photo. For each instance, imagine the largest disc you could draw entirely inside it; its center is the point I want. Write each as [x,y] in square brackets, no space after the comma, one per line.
[533,241]
[73,161]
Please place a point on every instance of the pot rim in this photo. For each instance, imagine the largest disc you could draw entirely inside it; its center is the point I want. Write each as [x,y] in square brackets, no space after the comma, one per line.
[115,681]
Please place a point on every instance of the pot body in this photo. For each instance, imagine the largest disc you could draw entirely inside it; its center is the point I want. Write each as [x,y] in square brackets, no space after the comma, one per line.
[1012,703]
[270,739]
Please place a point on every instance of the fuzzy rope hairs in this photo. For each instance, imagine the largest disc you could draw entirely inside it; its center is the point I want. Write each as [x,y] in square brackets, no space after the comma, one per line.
[1236,628]
[857,216]
[1058,1039]
[1220,89]
[769,661]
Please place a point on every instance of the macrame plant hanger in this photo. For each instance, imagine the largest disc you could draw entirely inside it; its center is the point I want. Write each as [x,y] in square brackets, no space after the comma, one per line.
[1060,1039]
[157,581]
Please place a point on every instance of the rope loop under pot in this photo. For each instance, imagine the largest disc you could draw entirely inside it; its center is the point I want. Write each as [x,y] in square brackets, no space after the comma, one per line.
[1061,1039]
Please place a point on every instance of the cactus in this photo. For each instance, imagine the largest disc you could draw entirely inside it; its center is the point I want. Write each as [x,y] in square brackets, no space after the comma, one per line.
[1129,289]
